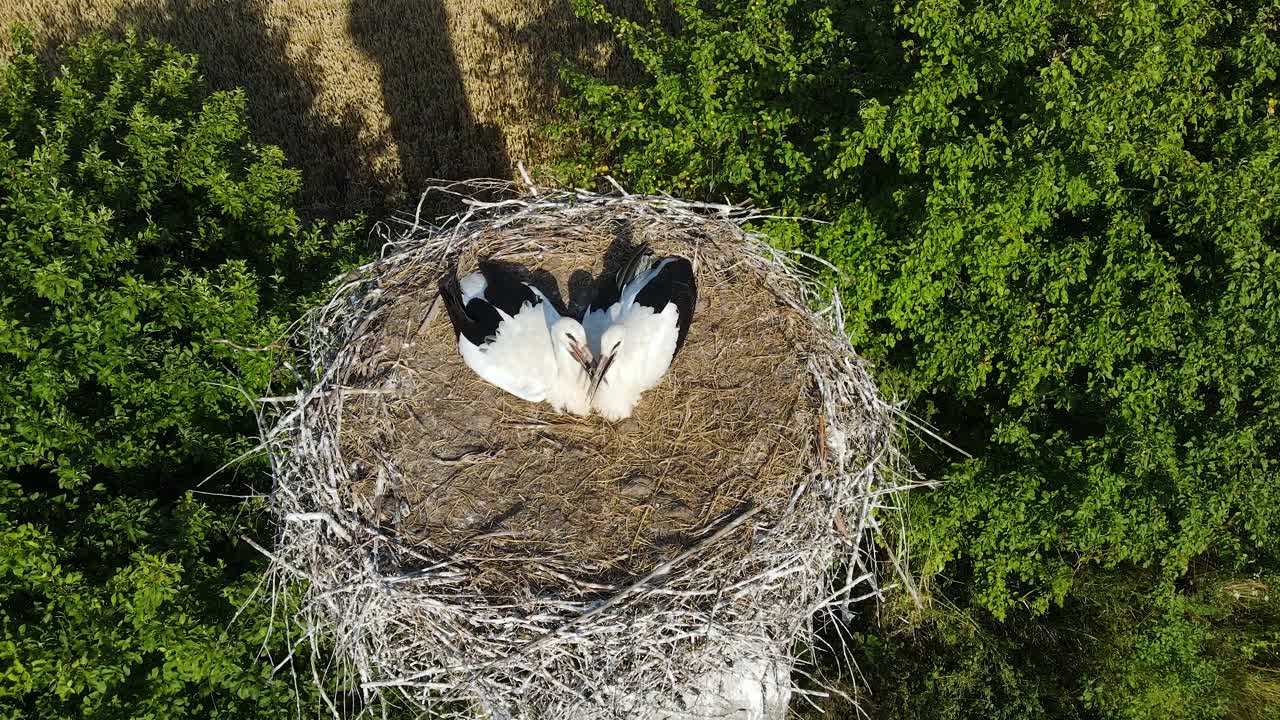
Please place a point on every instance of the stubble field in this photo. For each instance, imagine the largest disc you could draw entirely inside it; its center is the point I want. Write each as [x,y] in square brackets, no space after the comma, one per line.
[369,98]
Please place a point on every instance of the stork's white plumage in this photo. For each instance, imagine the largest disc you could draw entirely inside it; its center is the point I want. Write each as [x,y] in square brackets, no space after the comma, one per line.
[635,326]
[513,337]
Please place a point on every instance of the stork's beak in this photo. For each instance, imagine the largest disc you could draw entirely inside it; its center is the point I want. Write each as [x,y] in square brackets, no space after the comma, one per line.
[582,354]
[603,367]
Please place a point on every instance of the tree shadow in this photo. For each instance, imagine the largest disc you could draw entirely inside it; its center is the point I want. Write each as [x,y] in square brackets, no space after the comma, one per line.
[431,121]
[557,38]
[425,112]
[238,47]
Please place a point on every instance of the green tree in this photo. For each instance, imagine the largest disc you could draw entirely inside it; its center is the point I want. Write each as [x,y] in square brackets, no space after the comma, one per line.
[1055,225]
[145,244]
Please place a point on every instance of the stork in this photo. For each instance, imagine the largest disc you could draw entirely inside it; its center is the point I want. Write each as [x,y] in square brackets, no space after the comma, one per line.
[512,336]
[635,326]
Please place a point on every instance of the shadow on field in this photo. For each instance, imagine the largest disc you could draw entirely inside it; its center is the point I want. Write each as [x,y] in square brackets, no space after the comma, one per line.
[422,94]
[238,48]
[431,120]
[556,35]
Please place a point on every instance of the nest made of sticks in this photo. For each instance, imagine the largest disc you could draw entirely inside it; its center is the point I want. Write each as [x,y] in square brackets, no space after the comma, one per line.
[460,544]
[551,501]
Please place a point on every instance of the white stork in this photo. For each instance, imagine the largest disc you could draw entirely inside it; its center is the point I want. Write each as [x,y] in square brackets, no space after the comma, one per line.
[512,336]
[636,325]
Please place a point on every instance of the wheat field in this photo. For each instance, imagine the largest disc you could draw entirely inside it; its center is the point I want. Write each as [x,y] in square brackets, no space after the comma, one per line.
[369,98]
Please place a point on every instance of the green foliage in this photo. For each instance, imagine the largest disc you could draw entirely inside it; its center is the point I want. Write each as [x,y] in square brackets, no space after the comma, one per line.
[1209,652]
[1113,649]
[1055,224]
[145,241]
[962,664]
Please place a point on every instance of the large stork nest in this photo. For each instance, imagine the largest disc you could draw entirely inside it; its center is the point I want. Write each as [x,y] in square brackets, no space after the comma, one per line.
[471,550]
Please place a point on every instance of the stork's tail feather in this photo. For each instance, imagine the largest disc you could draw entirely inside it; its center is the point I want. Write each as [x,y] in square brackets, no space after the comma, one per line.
[638,263]
[451,293]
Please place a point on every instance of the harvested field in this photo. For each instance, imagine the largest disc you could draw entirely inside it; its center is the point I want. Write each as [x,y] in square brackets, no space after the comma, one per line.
[369,98]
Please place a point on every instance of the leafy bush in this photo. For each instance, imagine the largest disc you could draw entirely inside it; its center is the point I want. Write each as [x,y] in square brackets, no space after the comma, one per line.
[1113,649]
[1055,226]
[145,242]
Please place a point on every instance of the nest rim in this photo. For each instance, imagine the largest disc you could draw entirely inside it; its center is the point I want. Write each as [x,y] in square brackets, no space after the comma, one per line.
[648,640]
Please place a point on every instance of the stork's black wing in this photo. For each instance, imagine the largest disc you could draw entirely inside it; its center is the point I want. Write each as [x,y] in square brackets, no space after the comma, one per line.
[674,283]
[479,318]
[504,289]
[636,264]
[477,321]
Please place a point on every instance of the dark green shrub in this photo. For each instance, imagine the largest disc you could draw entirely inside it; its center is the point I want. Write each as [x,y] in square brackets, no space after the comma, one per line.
[1113,649]
[1056,226]
[144,242]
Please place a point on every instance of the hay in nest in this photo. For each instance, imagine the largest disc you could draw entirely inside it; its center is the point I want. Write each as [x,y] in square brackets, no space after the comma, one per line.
[472,550]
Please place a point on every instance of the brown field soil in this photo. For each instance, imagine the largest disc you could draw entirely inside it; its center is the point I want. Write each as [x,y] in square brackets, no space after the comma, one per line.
[369,98]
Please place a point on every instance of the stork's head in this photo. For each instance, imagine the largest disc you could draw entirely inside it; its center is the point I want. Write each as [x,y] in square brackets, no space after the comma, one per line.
[570,340]
[611,343]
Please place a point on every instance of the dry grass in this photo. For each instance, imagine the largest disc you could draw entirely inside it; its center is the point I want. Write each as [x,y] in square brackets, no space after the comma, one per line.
[1245,591]
[367,97]
[1260,695]
[752,515]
